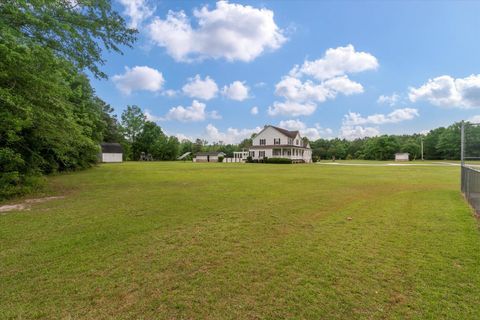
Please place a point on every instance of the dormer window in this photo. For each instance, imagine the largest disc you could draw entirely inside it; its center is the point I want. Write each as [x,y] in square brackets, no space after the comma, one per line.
[290,141]
[276,141]
[296,142]
[263,142]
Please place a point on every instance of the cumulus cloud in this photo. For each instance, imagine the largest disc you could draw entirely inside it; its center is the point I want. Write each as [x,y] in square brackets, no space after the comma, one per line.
[446,91]
[398,115]
[139,78]
[237,90]
[337,62]
[254,110]
[195,112]
[319,80]
[291,108]
[390,100]
[232,135]
[229,31]
[357,132]
[137,11]
[205,89]
[312,133]
[353,123]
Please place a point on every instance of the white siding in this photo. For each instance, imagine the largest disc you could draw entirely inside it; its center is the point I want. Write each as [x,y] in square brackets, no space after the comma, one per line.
[269,134]
[112,157]
[401,157]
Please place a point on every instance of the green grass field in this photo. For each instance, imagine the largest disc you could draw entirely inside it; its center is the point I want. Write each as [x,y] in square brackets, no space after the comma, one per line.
[244,241]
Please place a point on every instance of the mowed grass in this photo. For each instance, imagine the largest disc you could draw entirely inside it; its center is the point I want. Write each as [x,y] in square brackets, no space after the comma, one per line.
[244,241]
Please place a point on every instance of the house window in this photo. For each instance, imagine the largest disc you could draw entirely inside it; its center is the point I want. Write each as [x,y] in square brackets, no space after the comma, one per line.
[261,154]
[277,152]
[276,141]
[290,141]
[252,154]
[263,142]
[296,142]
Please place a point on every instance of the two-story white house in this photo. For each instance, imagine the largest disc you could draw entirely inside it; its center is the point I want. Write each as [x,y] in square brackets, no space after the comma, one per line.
[274,142]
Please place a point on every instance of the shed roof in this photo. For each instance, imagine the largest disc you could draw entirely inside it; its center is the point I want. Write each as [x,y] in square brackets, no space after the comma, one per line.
[111,147]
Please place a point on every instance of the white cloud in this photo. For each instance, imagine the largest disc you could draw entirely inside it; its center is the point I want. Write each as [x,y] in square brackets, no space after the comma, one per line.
[237,90]
[337,62]
[181,137]
[151,117]
[357,132]
[291,108]
[390,100]
[195,112]
[325,79]
[139,78]
[254,110]
[474,119]
[260,84]
[229,31]
[137,11]
[170,93]
[201,89]
[215,115]
[353,123]
[294,89]
[312,133]
[232,135]
[342,85]
[446,91]
[398,115]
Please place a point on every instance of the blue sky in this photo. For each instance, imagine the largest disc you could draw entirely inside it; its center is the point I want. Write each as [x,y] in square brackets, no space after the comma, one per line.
[199,70]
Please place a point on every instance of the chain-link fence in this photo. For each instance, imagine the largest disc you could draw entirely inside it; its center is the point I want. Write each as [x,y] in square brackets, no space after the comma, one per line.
[470,164]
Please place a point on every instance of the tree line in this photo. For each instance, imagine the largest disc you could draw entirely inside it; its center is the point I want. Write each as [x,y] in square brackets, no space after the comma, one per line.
[439,144]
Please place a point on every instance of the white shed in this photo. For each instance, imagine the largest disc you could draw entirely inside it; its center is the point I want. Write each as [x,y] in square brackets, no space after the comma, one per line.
[208,156]
[111,152]
[403,156]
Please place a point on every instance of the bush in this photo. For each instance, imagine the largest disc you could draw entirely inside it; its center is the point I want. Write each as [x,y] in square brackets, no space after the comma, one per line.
[278,160]
[220,159]
[249,159]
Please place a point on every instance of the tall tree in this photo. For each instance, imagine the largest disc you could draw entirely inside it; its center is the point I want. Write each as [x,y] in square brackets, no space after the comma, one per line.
[73,29]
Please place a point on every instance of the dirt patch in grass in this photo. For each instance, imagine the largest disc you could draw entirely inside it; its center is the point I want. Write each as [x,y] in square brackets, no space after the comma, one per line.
[26,204]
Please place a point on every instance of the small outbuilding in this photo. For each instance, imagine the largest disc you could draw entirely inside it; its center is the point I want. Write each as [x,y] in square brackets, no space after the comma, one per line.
[402,156]
[111,152]
[208,156]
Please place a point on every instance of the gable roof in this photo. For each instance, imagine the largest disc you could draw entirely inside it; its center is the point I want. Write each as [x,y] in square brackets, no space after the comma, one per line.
[111,147]
[288,133]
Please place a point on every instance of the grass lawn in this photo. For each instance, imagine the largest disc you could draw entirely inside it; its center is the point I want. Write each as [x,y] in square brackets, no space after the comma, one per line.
[244,241]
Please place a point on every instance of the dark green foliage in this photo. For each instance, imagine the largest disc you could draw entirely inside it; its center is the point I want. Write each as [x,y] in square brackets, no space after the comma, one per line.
[73,30]
[441,143]
[220,159]
[278,160]
[50,118]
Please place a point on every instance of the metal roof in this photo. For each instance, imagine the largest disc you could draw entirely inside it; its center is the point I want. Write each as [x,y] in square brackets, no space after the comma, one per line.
[111,147]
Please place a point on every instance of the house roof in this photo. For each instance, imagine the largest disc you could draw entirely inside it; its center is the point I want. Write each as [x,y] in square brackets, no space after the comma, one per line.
[212,153]
[288,133]
[111,147]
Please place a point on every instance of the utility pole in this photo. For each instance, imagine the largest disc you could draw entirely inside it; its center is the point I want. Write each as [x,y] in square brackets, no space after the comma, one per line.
[421,146]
